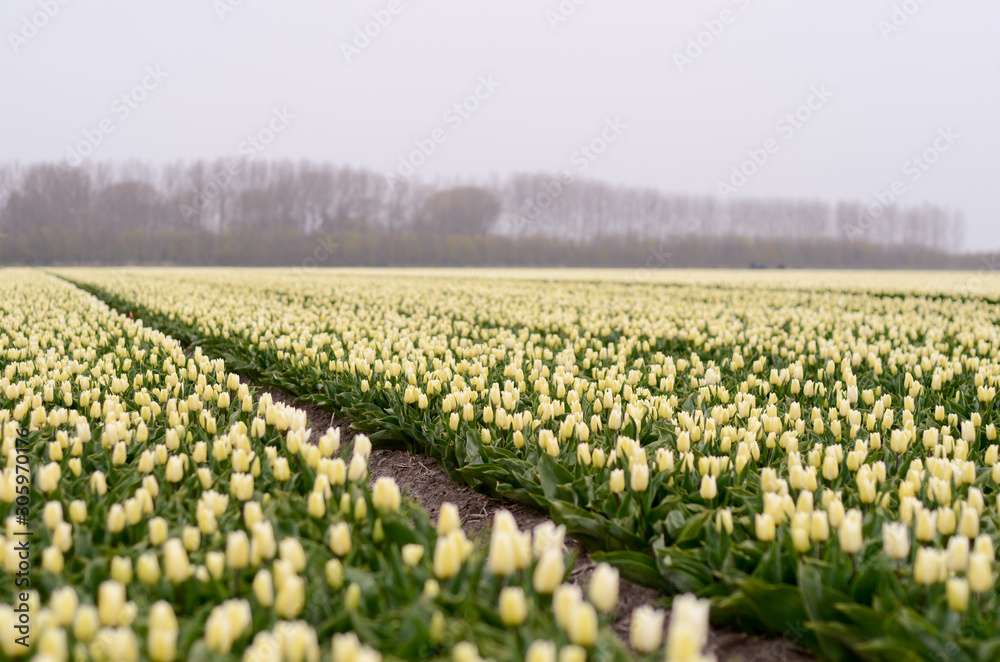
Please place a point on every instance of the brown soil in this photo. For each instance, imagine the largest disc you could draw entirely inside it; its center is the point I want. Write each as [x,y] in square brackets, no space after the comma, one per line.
[428,484]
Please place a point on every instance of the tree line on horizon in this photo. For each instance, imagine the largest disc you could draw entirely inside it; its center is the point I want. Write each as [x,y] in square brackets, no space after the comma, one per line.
[285,213]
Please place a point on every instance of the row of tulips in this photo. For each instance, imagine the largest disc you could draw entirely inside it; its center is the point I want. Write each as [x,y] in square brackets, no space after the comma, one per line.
[174,514]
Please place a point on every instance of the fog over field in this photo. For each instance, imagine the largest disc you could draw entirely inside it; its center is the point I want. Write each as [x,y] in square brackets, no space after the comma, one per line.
[860,100]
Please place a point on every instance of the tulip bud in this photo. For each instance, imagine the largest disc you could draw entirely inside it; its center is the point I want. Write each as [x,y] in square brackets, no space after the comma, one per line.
[583,624]
[78,511]
[215,563]
[926,525]
[448,519]
[968,525]
[346,648]
[237,550]
[957,554]
[639,477]
[340,539]
[357,469]
[85,623]
[646,629]
[957,589]
[617,481]
[291,550]
[412,553]
[48,477]
[984,545]
[927,566]
[352,597]
[241,486]
[147,569]
[502,559]
[360,509]
[549,571]
[121,569]
[204,477]
[63,604]
[226,623]
[175,469]
[110,602]
[116,518]
[835,512]
[709,489]
[317,505]
[176,565]
[191,537]
[764,527]
[688,631]
[385,495]
[547,536]
[163,630]
[820,531]
[572,653]
[465,651]
[541,650]
[52,560]
[849,532]
[599,457]
[334,573]
[895,540]
[564,601]
[263,588]
[724,521]
[615,419]
[603,588]
[291,597]
[513,607]
[158,531]
[52,514]
[980,573]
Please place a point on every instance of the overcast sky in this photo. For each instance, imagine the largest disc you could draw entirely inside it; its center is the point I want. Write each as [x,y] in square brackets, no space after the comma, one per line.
[888,80]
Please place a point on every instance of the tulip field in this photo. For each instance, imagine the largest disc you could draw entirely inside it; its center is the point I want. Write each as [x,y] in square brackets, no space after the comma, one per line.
[155,509]
[805,456]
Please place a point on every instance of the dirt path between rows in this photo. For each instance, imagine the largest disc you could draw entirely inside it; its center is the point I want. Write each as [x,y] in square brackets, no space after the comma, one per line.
[429,485]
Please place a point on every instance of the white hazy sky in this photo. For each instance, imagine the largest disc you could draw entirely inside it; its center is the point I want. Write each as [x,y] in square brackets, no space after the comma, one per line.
[559,83]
